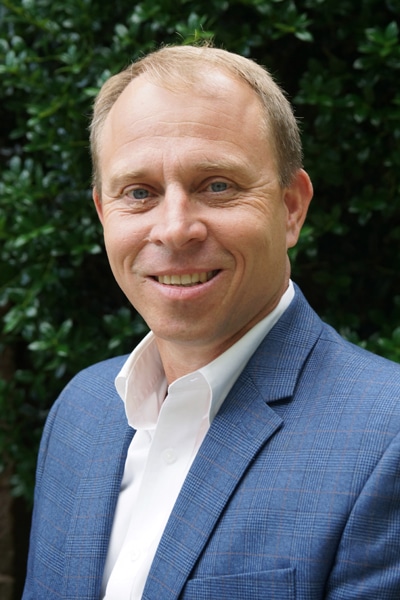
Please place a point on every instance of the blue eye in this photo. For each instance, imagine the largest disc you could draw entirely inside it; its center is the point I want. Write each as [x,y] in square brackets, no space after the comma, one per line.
[139,194]
[218,186]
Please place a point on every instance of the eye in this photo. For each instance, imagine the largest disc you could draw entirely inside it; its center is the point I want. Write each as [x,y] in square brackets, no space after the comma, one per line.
[139,194]
[218,186]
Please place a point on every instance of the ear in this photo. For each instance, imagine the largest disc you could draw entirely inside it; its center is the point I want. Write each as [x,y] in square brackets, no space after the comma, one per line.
[98,204]
[297,198]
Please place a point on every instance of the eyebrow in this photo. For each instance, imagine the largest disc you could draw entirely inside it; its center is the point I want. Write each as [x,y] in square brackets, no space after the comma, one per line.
[219,165]
[119,180]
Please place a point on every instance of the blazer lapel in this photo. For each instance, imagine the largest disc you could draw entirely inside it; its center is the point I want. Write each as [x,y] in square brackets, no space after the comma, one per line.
[242,427]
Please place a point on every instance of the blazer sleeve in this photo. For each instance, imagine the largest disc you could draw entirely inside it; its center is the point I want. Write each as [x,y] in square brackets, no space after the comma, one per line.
[29,589]
[367,565]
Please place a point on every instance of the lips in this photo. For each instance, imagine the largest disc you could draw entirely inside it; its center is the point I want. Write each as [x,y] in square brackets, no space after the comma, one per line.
[186,280]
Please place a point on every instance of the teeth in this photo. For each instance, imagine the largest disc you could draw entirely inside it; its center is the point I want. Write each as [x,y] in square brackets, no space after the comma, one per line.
[187,279]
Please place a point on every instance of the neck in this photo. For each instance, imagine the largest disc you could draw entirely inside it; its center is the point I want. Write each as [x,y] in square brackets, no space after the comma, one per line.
[180,359]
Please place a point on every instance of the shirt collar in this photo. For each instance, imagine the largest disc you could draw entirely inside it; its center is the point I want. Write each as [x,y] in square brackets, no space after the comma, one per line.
[142,385]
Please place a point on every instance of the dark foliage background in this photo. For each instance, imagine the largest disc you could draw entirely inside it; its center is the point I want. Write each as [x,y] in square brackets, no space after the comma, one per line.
[339,61]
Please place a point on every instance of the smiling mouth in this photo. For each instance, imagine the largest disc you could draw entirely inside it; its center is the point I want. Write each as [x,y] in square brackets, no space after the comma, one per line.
[186,280]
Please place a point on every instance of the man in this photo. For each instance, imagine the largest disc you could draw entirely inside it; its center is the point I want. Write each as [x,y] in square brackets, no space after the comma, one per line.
[255,453]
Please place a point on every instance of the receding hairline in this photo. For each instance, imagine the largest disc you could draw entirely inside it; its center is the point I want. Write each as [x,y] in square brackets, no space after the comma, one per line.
[183,67]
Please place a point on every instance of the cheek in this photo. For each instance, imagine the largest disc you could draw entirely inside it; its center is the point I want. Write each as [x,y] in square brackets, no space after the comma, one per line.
[264,256]
[120,237]
[119,254]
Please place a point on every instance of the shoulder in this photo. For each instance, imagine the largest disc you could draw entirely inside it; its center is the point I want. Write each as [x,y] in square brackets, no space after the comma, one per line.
[105,370]
[301,352]
[353,386]
[88,405]
[355,361]
[333,353]
[97,378]
[90,394]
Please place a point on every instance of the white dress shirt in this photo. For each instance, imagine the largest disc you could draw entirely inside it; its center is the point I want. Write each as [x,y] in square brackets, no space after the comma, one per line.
[171,423]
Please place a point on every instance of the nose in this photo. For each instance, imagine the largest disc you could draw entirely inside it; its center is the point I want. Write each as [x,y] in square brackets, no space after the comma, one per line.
[177,223]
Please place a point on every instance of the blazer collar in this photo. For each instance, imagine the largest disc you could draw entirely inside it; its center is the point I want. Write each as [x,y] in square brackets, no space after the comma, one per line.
[241,428]
[276,365]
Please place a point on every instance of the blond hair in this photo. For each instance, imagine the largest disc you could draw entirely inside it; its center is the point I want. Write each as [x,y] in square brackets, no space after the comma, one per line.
[177,67]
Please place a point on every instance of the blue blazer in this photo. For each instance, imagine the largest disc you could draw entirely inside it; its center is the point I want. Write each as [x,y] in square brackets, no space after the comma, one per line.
[294,494]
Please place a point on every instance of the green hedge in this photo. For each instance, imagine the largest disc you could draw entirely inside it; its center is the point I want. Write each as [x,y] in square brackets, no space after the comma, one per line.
[339,60]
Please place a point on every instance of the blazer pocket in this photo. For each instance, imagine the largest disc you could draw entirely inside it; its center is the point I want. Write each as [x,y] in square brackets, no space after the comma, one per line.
[262,585]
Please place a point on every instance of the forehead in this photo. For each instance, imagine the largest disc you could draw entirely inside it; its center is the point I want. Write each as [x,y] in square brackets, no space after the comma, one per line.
[210,98]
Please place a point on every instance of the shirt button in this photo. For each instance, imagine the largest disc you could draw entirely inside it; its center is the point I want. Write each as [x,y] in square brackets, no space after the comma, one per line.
[169,456]
[135,554]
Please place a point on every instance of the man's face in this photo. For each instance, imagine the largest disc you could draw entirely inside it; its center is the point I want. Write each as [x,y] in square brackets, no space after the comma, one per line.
[196,224]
